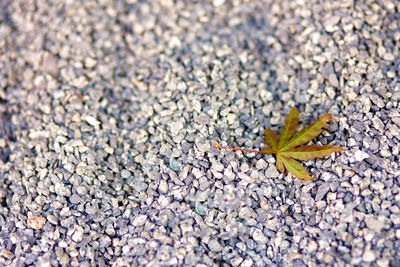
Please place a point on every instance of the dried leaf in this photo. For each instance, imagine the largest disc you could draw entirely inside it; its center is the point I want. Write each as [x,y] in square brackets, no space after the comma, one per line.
[271,138]
[307,134]
[286,147]
[292,120]
[295,168]
[310,152]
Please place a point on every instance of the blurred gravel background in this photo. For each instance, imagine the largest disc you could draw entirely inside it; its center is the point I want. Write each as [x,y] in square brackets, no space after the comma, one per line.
[108,111]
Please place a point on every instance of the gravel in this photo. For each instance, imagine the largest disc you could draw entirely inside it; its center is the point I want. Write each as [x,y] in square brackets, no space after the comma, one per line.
[108,111]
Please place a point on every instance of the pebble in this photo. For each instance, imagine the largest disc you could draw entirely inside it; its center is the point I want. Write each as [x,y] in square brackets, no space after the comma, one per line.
[330,22]
[36,222]
[139,220]
[92,120]
[176,127]
[368,256]
[75,199]
[90,62]
[360,155]
[215,246]
[272,172]
[203,146]
[104,241]
[374,224]
[258,236]
[261,164]
[174,164]
[323,189]
[200,209]
[77,236]
[333,80]
[202,119]
[81,190]
[6,254]
[231,118]
[50,64]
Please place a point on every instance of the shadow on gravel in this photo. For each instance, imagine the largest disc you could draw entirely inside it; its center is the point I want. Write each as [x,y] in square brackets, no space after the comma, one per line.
[6,132]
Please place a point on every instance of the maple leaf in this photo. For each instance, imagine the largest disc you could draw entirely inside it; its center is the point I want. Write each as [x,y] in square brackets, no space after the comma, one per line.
[287,147]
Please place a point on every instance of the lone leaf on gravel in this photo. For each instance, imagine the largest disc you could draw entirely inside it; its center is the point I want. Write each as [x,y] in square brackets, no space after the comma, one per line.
[287,147]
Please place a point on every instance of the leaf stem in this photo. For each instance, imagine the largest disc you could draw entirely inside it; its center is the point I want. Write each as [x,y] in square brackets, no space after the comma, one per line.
[245,150]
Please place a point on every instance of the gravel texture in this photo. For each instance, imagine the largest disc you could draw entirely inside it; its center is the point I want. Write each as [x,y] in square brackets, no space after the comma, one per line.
[108,110]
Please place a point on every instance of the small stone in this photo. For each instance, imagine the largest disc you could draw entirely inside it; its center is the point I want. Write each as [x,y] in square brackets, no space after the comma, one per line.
[327,258]
[6,254]
[163,187]
[394,130]
[78,235]
[374,224]
[140,186]
[236,261]
[258,236]
[244,167]
[247,263]
[360,126]
[75,199]
[64,259]
[50,64]
[261,164]
[176,127]
[52,219]
[174,165]
[271,172]
[92,120]
[312,246]
[368,234]
[90,62]
[331,22]
[378,186]
[333,80]
[186,146]
[360,155]
[80,82]
[202,119]
[218,166]
[125,174]
[139,220]
[200,209]
[322,191]
[76,117]
[215,246]
[369,256]
[104,241]
[372,19]
[378,124]
[218,3]
[108,149]
[395,96]
[203,146]
[81,190]
[231,118]
[36,222]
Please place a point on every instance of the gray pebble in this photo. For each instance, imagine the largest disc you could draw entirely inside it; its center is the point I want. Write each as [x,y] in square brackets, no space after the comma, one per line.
[104,241]
[139,220]
[333,80]
[125,174]
[215,246]
[75,199]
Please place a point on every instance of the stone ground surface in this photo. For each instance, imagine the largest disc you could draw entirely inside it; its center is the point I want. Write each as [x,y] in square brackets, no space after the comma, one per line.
[109,110]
